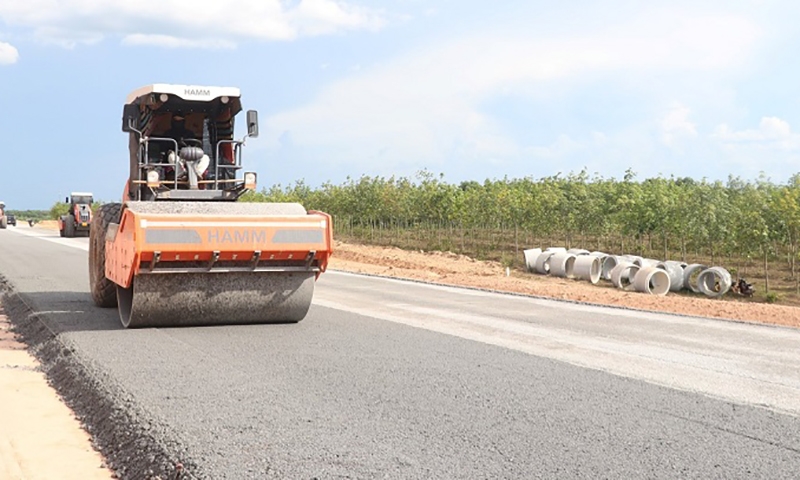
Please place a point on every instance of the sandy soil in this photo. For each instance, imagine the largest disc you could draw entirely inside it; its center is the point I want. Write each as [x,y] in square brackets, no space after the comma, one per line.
[39,436]
[452,269]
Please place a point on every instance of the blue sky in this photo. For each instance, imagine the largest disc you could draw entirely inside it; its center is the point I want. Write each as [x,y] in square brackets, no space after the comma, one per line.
[471,89]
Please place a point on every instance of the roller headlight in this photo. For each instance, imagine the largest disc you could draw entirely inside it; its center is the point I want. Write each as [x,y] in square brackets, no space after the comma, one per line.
[153,180]
[250,180]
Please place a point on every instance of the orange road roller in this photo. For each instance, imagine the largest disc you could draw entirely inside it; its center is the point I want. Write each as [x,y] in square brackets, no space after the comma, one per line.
[180,249]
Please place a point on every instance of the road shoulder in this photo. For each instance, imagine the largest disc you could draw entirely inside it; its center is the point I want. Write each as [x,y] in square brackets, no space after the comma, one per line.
[40,437]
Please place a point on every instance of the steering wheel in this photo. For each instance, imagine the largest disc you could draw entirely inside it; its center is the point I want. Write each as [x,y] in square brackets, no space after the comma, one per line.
[192,142]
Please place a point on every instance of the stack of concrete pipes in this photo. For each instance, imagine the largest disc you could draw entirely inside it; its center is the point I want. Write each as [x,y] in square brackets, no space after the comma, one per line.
[629,272]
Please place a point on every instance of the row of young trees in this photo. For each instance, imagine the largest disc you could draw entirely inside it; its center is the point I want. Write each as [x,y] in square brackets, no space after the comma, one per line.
[756,219]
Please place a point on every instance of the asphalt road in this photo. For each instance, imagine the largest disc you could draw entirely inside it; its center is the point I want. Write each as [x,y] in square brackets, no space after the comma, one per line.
[391,379]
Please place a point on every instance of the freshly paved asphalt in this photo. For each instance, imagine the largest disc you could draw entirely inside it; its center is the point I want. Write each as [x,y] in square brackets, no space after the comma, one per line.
[391,379]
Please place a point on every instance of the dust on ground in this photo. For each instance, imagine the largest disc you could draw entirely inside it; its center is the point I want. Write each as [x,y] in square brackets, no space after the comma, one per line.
[458,270]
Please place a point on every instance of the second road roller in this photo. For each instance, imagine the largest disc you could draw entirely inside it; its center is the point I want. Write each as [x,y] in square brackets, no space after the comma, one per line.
[179,249]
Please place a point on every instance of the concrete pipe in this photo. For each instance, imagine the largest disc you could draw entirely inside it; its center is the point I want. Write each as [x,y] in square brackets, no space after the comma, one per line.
[562,265]
[530,257]
[634,259]
[714,282]
[542,262]
[609,262]
[623,274]
[645,262]
[675,272]
[578,251]
[599,254]
[652,280]
[555,249]
[689,279]
[588,267]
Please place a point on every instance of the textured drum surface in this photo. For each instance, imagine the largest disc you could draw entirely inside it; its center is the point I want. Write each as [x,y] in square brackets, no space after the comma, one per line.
[221,209]
[182,299]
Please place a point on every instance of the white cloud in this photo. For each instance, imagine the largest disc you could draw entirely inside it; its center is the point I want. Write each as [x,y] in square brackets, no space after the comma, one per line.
[174,42]
[676,126]
[772,133]
[772,147]
[423,105]
[184,23]
[8,54]
[563,146]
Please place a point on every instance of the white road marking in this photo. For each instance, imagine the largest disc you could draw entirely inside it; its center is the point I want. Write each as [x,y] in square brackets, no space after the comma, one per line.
[81,243]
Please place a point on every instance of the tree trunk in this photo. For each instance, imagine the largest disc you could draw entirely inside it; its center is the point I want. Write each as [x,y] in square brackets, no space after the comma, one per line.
[766,272]
[683,248]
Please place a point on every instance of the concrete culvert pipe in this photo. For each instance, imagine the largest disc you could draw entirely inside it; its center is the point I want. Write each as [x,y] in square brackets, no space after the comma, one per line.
[562,265]
[714,282]
[578,251]
[530,258]
[690,274]
[623,273]
[645,262]
[588,267]
[555,249]
[634,259]
[609,262]
[599,254]
[652,280]
[542,262]
[675,272]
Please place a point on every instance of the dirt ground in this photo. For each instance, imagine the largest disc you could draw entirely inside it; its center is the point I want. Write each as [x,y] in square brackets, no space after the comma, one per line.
[39,436]
[452,269]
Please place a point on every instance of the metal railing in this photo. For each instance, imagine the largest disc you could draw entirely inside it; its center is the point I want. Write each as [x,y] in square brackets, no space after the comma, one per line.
[219,166]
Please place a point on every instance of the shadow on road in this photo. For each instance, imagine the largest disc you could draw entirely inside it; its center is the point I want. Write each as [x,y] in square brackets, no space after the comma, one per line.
[60,312]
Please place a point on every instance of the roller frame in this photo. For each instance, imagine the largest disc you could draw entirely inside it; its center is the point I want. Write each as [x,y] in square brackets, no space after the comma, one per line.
[271,250]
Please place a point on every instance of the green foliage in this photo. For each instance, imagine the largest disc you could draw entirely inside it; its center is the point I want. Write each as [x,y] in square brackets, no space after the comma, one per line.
[748,219]
[25,215]
[58,209]
[772,297]
[61,208]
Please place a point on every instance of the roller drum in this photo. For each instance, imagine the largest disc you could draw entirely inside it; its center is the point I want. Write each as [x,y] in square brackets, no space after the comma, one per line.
[191,299]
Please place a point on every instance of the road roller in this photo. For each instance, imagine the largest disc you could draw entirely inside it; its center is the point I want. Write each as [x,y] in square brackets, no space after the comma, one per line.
[180,249]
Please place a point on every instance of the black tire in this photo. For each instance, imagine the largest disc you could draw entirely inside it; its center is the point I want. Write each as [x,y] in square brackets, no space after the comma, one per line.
[104,291]
[3,222]
[61,226]
[69,226]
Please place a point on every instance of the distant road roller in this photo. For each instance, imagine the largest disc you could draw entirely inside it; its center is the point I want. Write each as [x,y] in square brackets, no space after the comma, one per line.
[179,249]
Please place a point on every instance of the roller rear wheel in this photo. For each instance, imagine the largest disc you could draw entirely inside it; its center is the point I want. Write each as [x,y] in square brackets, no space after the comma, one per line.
[103,290]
